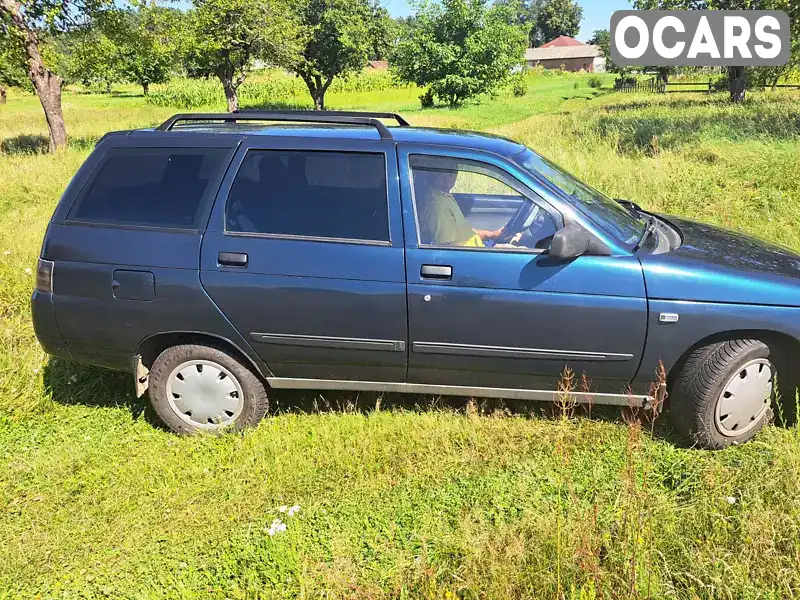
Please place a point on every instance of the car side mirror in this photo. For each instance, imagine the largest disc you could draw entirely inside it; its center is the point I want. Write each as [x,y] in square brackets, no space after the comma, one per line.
[573,241]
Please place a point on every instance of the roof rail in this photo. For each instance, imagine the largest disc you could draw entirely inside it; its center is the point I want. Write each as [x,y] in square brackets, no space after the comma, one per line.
[300,116]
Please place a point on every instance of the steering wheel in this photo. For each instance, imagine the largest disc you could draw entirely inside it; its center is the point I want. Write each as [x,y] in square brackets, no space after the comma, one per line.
[520,222]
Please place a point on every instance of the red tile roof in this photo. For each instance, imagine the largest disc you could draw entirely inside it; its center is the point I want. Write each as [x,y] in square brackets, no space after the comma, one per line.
[562,41]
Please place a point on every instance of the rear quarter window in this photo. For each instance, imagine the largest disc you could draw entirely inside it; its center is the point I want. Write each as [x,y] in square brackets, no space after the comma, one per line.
[150,187]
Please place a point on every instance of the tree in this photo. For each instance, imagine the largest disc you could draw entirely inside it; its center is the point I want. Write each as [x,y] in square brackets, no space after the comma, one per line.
[461,49]
[91,58]
[602,39]
[146,43]
[553,18]
[382,33]
[27,20]
[228,35]
[12,61]
[336,38]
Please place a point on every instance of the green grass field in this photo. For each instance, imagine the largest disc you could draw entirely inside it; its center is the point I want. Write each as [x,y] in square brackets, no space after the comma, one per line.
[402,497]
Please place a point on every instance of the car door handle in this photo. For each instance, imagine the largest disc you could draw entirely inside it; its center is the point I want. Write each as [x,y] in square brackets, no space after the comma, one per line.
[436,272]
[232,259]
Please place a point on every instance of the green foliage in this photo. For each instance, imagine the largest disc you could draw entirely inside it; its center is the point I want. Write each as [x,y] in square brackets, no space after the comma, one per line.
[13,69]
[460,49]
[336,38]
[553,18]
[594,81]
[519,87]
[226,36]
[92,59]
[146,43]
[602,39]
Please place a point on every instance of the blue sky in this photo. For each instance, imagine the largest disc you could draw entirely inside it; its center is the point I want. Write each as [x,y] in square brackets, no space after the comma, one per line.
[596,13]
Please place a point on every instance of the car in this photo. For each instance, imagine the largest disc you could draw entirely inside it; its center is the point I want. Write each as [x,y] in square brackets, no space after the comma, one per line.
[218,257]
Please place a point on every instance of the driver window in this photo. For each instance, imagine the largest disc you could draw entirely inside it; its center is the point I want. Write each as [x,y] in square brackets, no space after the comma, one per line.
[474,205]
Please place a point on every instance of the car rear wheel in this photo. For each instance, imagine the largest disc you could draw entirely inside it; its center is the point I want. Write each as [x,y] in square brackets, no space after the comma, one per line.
[202,388]
[723,393]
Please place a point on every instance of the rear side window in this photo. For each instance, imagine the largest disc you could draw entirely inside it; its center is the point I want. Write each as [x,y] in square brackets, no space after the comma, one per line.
[334,195]
[156,187]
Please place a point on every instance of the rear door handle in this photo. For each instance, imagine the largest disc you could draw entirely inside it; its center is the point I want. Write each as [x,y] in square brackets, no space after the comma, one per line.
[232,259]
[436,272]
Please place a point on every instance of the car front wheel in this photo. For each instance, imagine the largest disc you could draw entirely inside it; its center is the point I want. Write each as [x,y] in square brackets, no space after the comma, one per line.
[723,393]
[202,388]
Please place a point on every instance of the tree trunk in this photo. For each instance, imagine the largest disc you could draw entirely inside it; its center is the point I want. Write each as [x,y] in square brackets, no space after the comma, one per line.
[319,99]
[3,98]
[146,88]
[737,83]
[46,83]
[230,92]
[318,94]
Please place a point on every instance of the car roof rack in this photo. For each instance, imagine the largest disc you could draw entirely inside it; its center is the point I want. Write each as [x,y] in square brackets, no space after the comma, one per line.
[342,117]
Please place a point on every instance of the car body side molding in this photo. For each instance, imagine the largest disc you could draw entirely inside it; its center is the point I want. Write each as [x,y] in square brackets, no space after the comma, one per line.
[632,399]
[344,343]
[510,352]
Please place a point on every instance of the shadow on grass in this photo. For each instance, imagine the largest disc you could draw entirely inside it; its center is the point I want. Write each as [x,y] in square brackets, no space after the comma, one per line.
[71,383]
[27,144]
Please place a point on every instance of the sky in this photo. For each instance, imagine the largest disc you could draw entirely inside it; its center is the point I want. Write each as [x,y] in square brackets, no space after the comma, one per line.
[596,13]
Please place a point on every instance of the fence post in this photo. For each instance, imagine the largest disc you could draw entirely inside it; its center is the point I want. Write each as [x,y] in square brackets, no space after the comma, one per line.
[709,85]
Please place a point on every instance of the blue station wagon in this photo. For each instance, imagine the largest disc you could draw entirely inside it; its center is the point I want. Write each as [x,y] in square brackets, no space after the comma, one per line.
[219,256]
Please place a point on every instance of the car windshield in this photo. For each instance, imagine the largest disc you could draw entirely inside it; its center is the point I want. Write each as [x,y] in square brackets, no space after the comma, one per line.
[622,223]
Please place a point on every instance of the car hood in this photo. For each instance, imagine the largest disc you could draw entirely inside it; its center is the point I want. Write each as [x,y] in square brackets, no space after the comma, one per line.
[714,264]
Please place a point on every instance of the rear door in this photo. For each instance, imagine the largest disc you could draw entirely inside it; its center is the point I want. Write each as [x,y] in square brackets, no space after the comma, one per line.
[304,254]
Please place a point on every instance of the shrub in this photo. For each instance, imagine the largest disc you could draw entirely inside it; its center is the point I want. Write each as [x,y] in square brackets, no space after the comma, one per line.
[426,99]
[518,87]
[595,81]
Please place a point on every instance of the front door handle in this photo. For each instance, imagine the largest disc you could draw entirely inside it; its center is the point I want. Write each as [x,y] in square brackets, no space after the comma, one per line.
[436,272]
[232,259]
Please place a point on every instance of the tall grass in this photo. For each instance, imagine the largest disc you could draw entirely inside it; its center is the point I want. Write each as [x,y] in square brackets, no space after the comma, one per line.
[263,89]
[403,497]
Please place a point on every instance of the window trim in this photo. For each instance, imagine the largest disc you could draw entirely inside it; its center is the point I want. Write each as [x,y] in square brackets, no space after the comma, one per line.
[515,184]
[204,206]
[311,238]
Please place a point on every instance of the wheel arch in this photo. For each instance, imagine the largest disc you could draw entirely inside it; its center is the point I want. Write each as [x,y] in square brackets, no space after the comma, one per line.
[153,345]
[785,345]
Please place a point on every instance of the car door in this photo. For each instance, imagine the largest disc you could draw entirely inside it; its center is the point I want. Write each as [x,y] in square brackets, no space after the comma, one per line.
[508,316]
[304,254]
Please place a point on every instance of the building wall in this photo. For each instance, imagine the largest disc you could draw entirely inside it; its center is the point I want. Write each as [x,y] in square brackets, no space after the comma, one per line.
[570,64]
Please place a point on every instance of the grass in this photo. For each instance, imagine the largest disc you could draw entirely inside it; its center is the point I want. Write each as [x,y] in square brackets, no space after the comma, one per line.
[401,497]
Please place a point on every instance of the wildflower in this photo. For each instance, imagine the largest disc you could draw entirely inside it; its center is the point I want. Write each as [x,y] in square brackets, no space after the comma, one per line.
[277,526]
[28,271]
[293,510]
[7,252]
[731,500]
[36,370]
[283,509]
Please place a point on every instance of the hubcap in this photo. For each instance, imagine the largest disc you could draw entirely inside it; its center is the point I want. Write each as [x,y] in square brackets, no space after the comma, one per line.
[204,394]
[745,398]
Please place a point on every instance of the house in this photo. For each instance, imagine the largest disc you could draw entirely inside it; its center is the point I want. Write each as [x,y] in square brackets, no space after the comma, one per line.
[569,53]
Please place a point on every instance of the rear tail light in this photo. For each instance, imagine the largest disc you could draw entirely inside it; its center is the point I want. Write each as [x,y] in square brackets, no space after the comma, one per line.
[44,276]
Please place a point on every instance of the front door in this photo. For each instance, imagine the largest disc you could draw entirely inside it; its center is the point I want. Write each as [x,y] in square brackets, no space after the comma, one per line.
[487,306]
[304,255]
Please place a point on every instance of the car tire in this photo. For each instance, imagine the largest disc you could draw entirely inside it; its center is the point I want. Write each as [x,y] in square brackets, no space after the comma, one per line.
[202,388]
[723,393]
